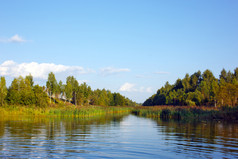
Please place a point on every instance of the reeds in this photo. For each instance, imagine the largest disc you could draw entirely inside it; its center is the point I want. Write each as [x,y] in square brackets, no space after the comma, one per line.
[163,112]
[63,111]
[187,113]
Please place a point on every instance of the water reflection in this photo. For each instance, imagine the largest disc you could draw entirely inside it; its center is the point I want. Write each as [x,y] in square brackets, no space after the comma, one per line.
[115,137]
[208,139]
[49,137]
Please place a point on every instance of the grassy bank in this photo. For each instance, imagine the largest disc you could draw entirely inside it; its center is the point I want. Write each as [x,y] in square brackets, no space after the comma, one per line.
[187,113]
[62,110]
[163,112]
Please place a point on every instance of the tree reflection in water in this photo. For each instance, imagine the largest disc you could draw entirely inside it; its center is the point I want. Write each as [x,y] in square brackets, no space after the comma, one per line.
[121,136]
[49,134]
[201,136]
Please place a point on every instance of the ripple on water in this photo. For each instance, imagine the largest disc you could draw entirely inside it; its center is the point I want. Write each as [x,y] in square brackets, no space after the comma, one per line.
[123,137]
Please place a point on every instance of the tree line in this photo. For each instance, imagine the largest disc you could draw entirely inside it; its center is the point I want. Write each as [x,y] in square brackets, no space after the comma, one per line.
[199,89]
[22,91]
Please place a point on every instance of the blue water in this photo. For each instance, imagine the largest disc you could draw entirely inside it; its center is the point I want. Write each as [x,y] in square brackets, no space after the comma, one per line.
[116,137]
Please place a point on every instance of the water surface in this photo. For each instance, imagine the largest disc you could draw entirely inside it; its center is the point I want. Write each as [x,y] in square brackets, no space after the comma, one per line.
[115,137]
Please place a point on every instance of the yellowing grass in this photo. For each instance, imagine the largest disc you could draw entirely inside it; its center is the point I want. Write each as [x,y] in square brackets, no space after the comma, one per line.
[67,110]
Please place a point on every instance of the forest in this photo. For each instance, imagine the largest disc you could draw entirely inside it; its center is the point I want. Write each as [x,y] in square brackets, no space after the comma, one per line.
[199,89]
[22,91]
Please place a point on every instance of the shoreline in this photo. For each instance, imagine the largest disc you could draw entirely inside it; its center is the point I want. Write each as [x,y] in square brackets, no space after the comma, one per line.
[160,112]
[189,113]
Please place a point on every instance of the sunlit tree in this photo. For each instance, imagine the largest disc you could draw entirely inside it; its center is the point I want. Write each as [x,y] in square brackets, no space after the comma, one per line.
[3,90]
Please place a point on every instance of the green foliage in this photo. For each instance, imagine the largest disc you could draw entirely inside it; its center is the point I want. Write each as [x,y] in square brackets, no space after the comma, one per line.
[62,111]
[22,92]
[195,97]
[61,89]
[30,79]
[68,90]
[71,89]
[106,98]
[40,97]
[51,84]
[190,102]
[186,83]
[199,89]
[165,114]
[188,113]
[3,90]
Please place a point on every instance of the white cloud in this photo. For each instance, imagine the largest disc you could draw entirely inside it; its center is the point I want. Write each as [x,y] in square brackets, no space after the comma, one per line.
[127,87]
[14,39]
[110,71]
[38,70]
[130,87]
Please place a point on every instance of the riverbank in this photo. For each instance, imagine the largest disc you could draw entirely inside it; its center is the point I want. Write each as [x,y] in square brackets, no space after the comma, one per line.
[187,113]
[62,110]
[162,112]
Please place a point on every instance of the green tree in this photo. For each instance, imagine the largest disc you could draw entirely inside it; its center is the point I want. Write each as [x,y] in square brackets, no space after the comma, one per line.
[13,95]
[79,97]
[149,101]
[186,83]
[84,92]
[30,79]
[204,89]
[71,88]
[20,92]
[51,84]
[41,98]
[178,84]
[26,92]
[181,96]
[68,91]
[195,97]
[3,90]
[223,75]
[171,98]
[159,99]
[61,89]
[195,80]
[208,76]
[214,92]
[199,89]
[229,77]
[118,99]
[236,73]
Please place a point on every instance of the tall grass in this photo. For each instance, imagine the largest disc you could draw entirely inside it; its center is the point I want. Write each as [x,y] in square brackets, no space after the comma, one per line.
[163,112]
[64,111]
[184,112]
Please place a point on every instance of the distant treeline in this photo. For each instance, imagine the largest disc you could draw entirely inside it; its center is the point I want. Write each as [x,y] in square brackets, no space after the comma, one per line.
[199,89]
[23,92]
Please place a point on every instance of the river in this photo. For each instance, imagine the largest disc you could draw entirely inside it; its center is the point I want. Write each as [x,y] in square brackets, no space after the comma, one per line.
[126,136]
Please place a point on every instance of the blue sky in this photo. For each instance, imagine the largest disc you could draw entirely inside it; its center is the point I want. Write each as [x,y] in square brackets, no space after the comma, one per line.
[128,46]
